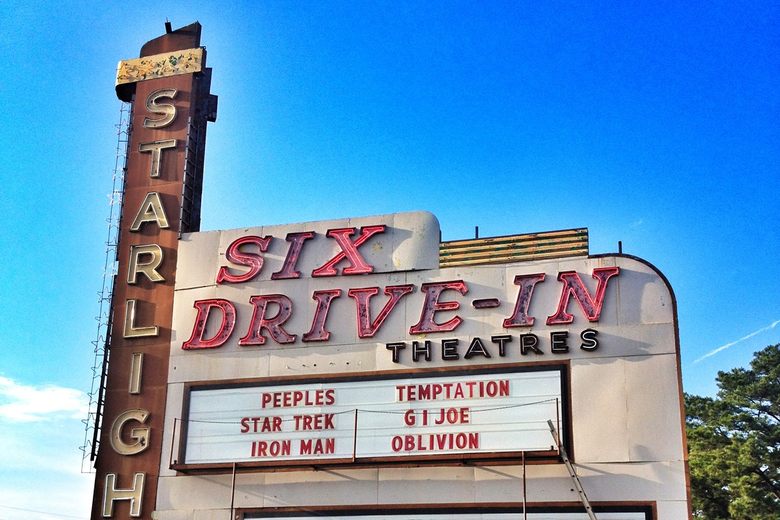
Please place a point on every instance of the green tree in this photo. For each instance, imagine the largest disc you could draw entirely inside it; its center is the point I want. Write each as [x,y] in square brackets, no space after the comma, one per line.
[734,443]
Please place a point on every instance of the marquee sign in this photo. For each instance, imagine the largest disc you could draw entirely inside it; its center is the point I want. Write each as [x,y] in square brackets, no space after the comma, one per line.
[365,419]
[369,290]
[242,361]
[322,285]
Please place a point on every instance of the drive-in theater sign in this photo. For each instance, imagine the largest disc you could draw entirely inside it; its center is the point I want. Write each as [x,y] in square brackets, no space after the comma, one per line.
[362,368]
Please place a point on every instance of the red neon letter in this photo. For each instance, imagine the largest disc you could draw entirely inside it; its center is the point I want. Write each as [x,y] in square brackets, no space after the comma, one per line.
[365,326]
[573,286]
[273,324]
[199,330]
[520,317]
[253,260]
[318,332]
[432,305]
[293,253]
[349,251]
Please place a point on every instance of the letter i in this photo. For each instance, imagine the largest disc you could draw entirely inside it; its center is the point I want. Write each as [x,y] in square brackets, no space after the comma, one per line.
[136,371]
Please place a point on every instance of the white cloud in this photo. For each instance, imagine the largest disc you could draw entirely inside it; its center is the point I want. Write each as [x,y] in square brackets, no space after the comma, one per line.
[740,340]
[41,430]
[63,498]
[27,403]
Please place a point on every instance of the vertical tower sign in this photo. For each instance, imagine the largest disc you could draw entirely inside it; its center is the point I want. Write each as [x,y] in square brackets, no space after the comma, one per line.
[168,87]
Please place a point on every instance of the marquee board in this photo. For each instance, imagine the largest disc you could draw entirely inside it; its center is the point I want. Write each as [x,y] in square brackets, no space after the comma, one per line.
[368,418]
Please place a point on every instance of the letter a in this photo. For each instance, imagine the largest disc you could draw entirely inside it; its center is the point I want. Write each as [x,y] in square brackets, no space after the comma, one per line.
[151,210]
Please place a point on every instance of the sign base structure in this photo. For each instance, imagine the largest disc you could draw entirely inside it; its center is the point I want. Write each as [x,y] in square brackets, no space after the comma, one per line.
[359,368]
[504,512]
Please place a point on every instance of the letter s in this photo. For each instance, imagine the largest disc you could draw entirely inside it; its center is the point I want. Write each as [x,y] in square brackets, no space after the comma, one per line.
[589,341]
[167,110]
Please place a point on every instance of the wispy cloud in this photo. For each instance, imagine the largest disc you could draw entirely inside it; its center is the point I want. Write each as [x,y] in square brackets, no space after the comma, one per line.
[740,340]
[637,223]
[67,494]
[41,430]
[27,403]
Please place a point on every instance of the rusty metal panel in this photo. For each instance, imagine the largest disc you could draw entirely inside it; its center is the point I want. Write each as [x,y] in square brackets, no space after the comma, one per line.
[514,248]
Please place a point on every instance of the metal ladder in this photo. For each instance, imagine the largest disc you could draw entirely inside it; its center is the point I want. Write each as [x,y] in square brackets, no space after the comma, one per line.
[572,473]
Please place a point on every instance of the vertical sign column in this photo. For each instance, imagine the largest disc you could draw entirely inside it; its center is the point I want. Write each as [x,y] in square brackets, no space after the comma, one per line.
[169,89]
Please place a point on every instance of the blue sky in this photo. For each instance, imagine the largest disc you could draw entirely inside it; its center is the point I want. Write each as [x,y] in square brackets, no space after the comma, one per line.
[653,123]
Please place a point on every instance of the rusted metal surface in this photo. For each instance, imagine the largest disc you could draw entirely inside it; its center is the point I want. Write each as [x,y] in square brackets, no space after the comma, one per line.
[514,248]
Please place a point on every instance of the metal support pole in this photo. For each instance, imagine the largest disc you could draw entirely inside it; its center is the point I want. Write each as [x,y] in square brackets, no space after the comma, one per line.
[233,491]
[572,473]
[525,490]
[354,437]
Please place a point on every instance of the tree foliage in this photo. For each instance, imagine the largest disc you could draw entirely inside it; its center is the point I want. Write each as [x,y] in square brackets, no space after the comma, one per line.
[734,443]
